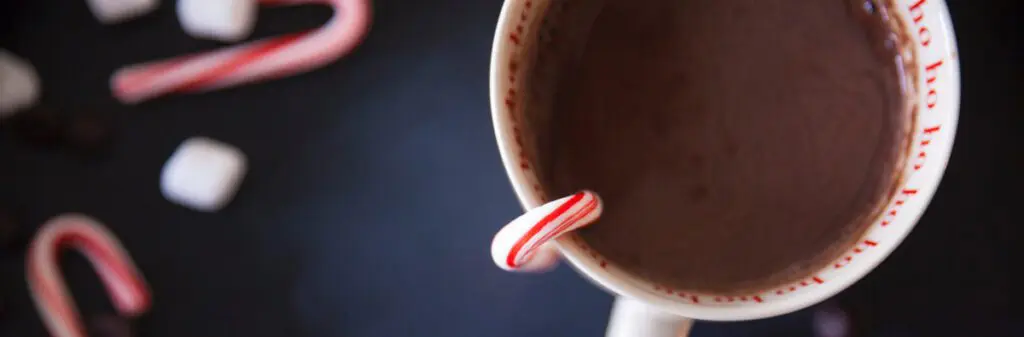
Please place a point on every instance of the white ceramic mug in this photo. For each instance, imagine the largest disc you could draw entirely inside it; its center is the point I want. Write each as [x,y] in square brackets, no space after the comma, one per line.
[648,309]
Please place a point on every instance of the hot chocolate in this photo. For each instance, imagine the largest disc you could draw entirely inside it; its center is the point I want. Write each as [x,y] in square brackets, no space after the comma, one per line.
[737,144]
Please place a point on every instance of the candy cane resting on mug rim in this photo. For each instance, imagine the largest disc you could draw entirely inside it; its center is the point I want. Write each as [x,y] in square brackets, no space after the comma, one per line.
[260,60]
[124,284]
[522,244]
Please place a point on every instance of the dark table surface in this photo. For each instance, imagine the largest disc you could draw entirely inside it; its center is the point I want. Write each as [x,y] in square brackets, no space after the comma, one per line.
[375,187]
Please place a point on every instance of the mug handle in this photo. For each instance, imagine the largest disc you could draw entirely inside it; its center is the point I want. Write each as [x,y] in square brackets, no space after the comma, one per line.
[632,318]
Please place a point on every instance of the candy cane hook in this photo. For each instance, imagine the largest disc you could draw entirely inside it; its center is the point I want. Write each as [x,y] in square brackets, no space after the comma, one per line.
[123,281]
[520,245]
[261,60]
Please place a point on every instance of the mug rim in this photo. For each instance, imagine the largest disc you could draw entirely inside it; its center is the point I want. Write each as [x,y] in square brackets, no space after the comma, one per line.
[529,195]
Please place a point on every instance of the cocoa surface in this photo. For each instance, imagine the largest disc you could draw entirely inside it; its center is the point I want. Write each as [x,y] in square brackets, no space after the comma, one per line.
[736,144]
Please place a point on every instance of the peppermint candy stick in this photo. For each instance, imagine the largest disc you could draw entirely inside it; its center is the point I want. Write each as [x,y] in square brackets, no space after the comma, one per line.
[520,245]
[261,60]
[125,285]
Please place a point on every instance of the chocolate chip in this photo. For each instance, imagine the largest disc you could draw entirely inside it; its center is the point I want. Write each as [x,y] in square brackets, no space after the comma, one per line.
[38,127]
[11,232]
[110,326]
[7,225]
[88,133]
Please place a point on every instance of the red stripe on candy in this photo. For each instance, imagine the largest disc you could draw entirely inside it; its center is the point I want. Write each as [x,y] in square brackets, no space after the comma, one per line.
[511,260]
[154,73]
[572,220]
[239,61]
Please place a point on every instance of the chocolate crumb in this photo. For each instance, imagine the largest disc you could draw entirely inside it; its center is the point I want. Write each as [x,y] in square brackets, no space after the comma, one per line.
[110,326]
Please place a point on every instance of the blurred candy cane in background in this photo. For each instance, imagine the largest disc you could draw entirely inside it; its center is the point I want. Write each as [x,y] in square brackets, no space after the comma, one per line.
[261,60]
[125,285]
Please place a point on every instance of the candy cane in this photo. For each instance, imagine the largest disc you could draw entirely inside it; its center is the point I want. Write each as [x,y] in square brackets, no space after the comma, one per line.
[519,246]
[261,60]
[124,283]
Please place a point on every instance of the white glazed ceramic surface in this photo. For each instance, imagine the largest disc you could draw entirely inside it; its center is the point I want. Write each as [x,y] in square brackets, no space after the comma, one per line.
[930,43]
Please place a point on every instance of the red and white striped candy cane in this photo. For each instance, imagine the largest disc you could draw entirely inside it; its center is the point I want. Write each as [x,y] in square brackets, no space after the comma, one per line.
[261,60]
[519,246]
[125,285]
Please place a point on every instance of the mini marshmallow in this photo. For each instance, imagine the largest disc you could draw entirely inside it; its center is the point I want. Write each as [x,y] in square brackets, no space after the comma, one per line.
[19,84]
[222,20]
[115,11]
[203,174]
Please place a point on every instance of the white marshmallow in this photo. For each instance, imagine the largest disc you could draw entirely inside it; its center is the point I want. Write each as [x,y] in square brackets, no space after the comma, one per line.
[114,11]
[223,20]
[19,84]
[203,174]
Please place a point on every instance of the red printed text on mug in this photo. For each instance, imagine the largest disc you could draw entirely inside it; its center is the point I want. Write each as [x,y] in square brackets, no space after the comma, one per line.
[924,37]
